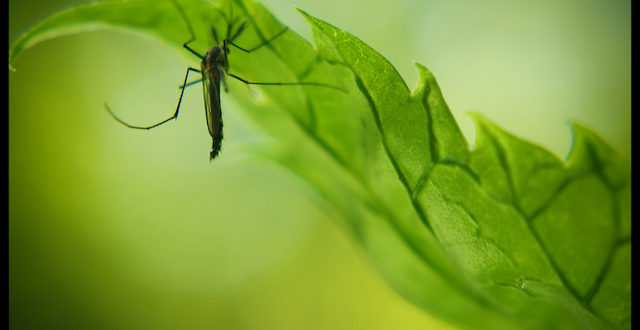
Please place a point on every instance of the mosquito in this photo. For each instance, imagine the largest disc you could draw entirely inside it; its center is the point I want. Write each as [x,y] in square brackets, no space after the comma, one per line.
[214,68]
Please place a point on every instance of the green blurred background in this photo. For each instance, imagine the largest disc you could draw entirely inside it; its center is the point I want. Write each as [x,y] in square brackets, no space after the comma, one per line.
[117,228]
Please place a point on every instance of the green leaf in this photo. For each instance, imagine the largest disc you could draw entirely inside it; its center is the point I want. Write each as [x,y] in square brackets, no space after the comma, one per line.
[503,235]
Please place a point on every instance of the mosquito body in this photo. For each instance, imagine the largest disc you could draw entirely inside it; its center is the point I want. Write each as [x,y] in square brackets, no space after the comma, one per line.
[214,68]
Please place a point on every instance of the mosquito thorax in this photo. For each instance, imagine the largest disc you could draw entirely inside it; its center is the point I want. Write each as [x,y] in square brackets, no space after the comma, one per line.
[215,57]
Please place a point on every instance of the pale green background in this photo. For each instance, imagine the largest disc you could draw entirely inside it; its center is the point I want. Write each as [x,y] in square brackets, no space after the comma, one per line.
[116,228]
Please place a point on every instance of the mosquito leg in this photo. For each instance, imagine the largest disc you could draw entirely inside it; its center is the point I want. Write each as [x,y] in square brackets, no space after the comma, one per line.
[285,83]
[224,80]
[175,115]
[193,36]
[258,46]
[190,83]
[185,45]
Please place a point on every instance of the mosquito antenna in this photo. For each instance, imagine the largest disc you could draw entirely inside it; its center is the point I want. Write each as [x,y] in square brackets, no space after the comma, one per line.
[226,19]
[231,19]
[240,29]
[215,35]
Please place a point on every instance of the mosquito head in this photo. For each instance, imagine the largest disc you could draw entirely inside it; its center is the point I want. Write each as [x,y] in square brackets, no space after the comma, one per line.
[216,56]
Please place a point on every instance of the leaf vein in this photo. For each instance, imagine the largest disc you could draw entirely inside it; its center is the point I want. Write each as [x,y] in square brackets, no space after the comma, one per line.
[515,205]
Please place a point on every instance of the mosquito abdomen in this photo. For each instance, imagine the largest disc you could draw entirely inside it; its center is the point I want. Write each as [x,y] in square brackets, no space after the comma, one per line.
[217,143]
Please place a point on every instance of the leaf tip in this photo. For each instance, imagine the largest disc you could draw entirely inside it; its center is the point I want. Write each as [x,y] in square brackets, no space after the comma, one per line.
[482,124]
[425,74]
[582,136]
[426,81]
[577,128]
[304,13]
[310,19]
[580,133]
[420,66]
[478,118]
